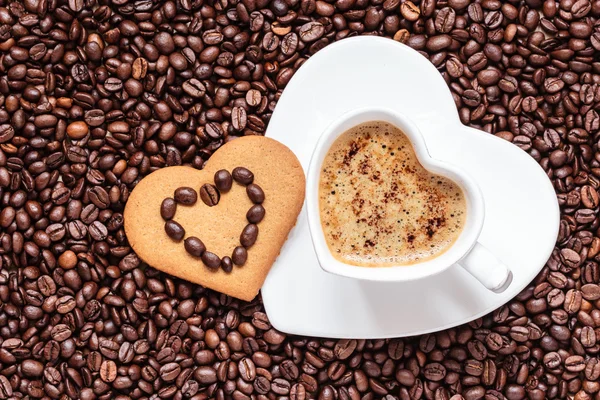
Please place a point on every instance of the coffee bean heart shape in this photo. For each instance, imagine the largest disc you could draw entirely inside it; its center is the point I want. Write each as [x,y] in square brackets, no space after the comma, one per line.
[211,194]
[276,170]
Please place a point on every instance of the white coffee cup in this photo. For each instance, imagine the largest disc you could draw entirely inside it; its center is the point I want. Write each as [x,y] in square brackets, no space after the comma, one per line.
[466,250]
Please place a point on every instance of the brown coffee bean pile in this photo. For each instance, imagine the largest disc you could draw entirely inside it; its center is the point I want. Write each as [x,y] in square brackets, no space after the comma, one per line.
[95,95]
[210,195]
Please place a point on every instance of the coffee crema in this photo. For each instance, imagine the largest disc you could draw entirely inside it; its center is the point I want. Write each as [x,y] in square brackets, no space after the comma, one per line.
[379,206]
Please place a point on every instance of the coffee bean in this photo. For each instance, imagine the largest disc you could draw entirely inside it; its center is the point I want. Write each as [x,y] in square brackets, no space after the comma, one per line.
[98,231]
[592,369]
[239,118]
[186,196]
[7,132]
[255,193]
[61,332]
[434,372]
[139,68]
[280,386]
[589,197]
[77,230]
[519,333]
[111,84]
[223,180]
[214,130]
[242,176]
[108,371]
[590,291]
[32,368]
[444,21]
[227,264]
[249,235]
[255,214]
[194,88]
[6,390]
[239,256]
[555,298]
[194,246]
[344,348]
[211,260]
[575,363]
[205,375]
[438,43]
[169,372]
[311,31]
[77,130]
[410,11]
[210,195]
[174,230]
[168,208]
[587,337]
[94,118]
[572,301]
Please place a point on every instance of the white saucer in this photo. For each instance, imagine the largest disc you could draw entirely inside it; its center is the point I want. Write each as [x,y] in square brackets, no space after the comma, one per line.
[522,215]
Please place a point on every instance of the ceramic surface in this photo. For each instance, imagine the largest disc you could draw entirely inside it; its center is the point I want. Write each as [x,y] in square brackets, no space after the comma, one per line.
[473,197]
[521,210]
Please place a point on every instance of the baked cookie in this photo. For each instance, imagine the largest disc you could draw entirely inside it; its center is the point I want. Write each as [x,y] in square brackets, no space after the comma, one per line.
[219,223]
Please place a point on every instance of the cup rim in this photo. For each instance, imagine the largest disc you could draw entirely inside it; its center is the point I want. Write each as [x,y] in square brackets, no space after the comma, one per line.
[461,247]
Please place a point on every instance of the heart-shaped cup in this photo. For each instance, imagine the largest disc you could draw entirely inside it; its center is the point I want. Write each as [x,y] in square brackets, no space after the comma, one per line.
[465,251]
[276,170]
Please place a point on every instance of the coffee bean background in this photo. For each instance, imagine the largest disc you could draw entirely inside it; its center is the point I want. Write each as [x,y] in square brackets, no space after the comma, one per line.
[96,94]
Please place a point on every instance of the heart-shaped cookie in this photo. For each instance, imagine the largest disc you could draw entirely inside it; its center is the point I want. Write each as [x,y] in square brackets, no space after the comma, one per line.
[276,170]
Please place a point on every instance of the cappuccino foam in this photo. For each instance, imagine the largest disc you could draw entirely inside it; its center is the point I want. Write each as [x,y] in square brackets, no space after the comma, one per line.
[379,206]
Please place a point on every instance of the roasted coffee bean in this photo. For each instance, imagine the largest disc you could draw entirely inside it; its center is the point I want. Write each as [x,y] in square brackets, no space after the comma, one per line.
[249,235]
[242,176]
[7,132]
[223,180]
[211,260]
[444,21]
[590,291]
[589,197]
[194,246]
[61,332]
[108,371]
[76,230]
[169,372]
[168,208]
[194,88]
[174,230]
[227,264]
[186,196]
[255,193]
[210,195]
[239,118]
[434,372]
[77,130]
[98,231]
[410,11]
[94,117]
[239,256]
[575,363]
[214,130]
[311,31]
[255,214]
[572,302]
[344,348]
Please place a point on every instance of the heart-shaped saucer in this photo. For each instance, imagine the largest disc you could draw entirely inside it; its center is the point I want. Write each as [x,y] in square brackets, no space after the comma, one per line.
[276,170]
[521,210]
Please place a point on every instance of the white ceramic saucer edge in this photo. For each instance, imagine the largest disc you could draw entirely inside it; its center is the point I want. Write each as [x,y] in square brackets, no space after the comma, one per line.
[277,303]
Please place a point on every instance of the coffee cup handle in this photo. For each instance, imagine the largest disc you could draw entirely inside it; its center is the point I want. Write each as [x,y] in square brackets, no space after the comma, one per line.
[487,269]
